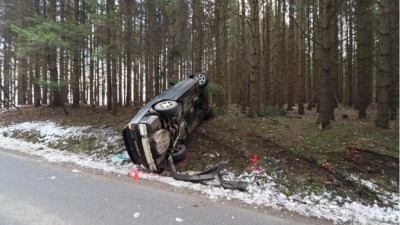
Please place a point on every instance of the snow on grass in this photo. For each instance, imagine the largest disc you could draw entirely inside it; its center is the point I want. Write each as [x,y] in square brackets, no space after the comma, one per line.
[385,196]
[260,192]
[51,133]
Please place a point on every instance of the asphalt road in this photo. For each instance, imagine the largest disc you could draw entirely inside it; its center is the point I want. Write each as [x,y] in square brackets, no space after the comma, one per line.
[36,192]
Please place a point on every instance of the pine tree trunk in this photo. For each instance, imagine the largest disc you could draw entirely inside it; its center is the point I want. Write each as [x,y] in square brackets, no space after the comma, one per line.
[243,71]
[267,53]
[172,50]
[36,87]
[108,54]
[316,67]
[30,74]
[52,62]
[129,5]
[22,81]
[394,59]
[113,57]
[44,79]
[281,63]
[365,43]
[140,67]
[91,71]
[383,70]
[291,59]
[325,105]
[75,60]
[63,58]
[220,53]
[301,64]
[119,54]
[334,52]
[198,35]
[255,59]
[6,70]
[349,50]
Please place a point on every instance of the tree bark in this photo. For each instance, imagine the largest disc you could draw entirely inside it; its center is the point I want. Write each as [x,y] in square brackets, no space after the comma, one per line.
[52,62]
[281,63]
[220,33]
[334,52]
[198,35]
[255,59]
[108,53]
[129,6]
[171,11]
[301,63]
[349,55]
[6,70]
[394,59]
[30,74]
[76,61]
[22,80]
[113,57]
[383,70]
[325,106]
[243,71]
[365,45]
[267,54]
[292,59]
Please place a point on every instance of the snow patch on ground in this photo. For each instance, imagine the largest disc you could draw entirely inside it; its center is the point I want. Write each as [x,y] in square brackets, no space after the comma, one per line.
[49,132]
[265,194]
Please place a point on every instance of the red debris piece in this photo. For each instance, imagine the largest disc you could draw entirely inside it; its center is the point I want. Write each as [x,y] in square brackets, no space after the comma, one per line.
[327,167]
[135,173]
[253,164]
[136,176]
[354,150]
[255,159]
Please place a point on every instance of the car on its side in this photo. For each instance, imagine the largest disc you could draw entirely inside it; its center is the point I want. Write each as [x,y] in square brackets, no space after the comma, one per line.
[161,128]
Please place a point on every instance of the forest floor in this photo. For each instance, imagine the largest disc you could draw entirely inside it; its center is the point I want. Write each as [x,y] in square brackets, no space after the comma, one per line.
[352,158]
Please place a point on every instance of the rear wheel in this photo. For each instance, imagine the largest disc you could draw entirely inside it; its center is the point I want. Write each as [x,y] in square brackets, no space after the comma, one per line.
[166,108]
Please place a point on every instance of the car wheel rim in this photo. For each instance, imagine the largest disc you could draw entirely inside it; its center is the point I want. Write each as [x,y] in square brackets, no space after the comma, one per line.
[165,105]
[201,78]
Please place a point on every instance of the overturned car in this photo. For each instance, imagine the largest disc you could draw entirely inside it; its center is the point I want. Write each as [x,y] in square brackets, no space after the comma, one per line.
[156,136]
[163,125]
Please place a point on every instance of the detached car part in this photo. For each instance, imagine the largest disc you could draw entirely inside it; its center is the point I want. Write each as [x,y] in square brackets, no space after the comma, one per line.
[155,138]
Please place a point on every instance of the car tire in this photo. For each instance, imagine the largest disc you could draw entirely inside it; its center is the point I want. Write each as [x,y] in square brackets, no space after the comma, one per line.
[202,78]
[166,108]
[180,154]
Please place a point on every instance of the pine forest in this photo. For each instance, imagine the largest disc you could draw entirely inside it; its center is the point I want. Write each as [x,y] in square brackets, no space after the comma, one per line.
[288,54]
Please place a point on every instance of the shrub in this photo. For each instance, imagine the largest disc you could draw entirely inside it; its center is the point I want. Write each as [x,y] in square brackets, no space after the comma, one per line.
[266,110]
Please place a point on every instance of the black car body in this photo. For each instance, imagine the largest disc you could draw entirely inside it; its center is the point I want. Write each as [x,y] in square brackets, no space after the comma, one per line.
[161,127]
